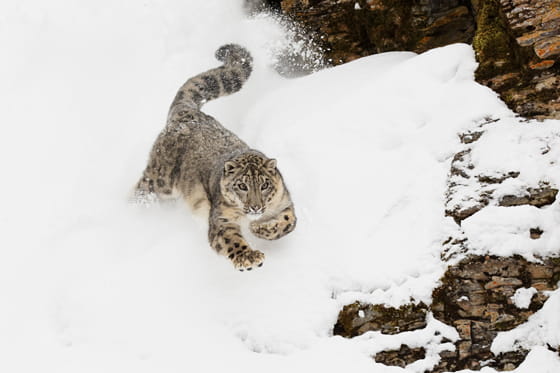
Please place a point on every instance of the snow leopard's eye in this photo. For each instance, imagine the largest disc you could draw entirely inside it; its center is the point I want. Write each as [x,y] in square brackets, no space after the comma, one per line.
[242,186]
[264,185]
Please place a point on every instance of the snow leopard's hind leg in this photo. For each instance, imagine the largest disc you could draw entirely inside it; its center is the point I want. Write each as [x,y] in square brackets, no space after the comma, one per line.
[163,170]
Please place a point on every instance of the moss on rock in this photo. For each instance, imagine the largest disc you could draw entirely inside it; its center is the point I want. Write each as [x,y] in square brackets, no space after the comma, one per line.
[493,45]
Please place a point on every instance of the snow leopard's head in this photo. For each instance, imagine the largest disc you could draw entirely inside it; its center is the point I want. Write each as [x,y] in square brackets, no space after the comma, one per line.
[251,182]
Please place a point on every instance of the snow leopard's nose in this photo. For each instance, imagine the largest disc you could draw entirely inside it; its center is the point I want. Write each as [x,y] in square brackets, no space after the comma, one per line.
[255,210]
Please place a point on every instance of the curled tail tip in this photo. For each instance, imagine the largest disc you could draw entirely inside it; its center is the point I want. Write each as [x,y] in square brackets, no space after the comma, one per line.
[233,54]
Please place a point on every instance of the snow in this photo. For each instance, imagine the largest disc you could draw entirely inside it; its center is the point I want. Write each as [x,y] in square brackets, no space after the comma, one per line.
[522,297]
[542,329]
[539,358]
[431,338]
[531,149]
[90,283]
[504,231]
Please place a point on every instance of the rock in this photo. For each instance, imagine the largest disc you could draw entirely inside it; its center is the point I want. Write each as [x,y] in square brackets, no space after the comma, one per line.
[536,197]
[357,318]
[541,285]
[497,180]
[517,44]
[494,47]
[540,272]
[531,38]
[548,47]
[470,136]
[502,281]
[464,201]
[401,357]
[464,328]
[348,31]
[258,6]
[461,167]
[478,315]
[535,233]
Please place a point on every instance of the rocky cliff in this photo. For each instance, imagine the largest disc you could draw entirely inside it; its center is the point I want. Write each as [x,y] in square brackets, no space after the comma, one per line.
[517,42]
[477,294]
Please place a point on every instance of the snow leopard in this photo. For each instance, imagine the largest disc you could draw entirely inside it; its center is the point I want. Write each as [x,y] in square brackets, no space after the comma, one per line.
[198,159]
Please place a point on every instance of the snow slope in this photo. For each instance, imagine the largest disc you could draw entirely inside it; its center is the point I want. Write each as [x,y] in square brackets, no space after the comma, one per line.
[90,283]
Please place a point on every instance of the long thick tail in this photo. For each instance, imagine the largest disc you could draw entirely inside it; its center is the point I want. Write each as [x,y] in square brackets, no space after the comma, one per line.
[221,81]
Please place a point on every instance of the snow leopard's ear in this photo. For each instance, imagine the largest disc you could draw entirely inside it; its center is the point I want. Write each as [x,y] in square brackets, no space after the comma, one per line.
[230,167]
[270,164]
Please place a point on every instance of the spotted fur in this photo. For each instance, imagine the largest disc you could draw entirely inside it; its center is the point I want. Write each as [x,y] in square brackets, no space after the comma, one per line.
[197,158]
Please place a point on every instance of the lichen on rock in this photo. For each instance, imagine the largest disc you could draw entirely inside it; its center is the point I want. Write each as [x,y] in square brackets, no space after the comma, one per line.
[494,47]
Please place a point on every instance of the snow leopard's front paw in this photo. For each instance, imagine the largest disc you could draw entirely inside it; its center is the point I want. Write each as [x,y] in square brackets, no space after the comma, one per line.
[227,240]
[247,259]
[265,230]
[276,227]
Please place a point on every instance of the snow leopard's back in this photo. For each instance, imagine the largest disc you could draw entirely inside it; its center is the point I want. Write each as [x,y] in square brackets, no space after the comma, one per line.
[193,145]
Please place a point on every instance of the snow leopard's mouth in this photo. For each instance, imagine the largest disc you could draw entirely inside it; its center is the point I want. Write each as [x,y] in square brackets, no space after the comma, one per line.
[254,213]
[253,216]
